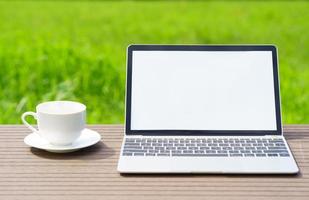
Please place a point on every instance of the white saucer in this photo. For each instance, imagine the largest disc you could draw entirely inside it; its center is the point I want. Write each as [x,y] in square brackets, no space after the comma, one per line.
[87,138]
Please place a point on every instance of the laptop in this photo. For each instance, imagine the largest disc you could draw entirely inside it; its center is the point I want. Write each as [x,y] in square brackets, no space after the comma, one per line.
[204,109]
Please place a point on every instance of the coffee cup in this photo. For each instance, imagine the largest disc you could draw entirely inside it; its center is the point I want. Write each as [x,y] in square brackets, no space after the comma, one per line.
[59,122]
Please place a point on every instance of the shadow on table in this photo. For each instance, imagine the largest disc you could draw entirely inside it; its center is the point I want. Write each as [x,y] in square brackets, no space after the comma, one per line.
[99,151]
[294,136]
[169,175]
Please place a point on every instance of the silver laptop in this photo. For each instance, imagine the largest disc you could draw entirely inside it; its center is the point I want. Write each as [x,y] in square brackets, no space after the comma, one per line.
[203,109]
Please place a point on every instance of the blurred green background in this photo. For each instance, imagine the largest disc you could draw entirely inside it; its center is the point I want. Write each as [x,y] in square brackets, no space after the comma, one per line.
[77,50]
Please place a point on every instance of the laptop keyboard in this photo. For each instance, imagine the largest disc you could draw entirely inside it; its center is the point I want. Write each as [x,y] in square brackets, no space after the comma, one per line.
[210,147]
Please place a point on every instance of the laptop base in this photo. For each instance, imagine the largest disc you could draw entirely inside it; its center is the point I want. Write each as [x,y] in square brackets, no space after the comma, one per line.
[216,165]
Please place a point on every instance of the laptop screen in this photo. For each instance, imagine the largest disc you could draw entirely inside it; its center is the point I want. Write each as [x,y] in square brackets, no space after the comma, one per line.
[202,90]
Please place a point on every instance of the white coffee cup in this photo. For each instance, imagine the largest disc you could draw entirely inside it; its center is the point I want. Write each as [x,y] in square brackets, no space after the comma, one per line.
[59,122]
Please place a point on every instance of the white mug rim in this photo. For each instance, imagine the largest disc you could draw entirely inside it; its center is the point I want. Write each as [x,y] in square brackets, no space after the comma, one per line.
[83,108]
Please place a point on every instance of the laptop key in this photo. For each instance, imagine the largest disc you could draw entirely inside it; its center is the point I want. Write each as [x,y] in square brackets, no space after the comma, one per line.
[257,151]
[276,151]
[134,151]
[199,152]
[257,144]
[272,155]
[284,155]
[245,151]
[131,144]
[159,148]
[260,155]
[234,152]
[277,148]
[138,154]
[127,154]
[163,154]
[133,147]
[236,155]
[249,155]
[148,148]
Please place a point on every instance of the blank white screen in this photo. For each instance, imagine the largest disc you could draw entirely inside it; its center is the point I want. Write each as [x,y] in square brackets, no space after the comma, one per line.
[202,90]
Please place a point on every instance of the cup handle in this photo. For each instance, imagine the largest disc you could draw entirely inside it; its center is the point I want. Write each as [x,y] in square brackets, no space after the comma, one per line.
[23,118]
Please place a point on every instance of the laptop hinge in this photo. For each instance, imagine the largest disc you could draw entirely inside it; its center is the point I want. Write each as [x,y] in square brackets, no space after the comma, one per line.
[273,136]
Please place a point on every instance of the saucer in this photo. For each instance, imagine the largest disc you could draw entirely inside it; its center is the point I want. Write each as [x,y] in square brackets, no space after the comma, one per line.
[87,138]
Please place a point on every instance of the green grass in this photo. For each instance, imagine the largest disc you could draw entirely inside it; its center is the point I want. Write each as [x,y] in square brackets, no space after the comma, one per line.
[76,50]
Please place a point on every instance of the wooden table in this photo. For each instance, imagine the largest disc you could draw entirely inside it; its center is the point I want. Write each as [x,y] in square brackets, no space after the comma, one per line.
[27,173]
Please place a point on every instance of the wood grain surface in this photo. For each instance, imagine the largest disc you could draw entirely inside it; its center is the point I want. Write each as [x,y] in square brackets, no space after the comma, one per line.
[28,173]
